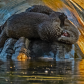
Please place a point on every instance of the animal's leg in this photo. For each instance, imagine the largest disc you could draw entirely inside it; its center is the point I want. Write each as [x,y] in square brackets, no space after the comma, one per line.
[49,31]
[3,38]
[40,9]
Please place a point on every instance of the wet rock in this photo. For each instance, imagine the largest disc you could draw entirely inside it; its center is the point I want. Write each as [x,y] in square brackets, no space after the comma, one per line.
[7,50]
[48,51]
[13,48]
[21,48]
[39,49]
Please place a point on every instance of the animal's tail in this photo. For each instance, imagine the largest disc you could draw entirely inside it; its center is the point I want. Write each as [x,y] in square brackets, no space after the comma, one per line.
[3,38]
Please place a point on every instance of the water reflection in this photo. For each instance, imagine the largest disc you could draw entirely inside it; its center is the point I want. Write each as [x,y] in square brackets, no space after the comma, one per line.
[39,71]
[36,72]
[55,50]
[81,67]
[49,63]
[54,4]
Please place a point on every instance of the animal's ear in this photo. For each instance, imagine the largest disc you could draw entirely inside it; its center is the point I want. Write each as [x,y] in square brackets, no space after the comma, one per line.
[62,18]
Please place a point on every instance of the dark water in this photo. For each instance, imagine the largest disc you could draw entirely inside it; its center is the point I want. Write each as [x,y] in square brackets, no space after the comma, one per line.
[50,63]
[41,72]
[55,63]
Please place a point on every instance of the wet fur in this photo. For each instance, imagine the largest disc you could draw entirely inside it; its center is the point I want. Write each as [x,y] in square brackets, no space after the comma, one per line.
[37,25]
[31,25]
[72,30]
[65,24]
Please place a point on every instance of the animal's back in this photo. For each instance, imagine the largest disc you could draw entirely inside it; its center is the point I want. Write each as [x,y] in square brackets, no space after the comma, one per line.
[25,24]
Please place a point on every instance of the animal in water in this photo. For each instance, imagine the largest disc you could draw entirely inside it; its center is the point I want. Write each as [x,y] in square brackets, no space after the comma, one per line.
[50,26]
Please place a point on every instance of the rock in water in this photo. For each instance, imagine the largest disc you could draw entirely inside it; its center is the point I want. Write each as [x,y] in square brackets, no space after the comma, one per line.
[7,50]
[21,48]
[49,51]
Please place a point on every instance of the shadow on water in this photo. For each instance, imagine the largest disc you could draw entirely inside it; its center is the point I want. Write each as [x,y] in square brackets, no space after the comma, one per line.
[50,63]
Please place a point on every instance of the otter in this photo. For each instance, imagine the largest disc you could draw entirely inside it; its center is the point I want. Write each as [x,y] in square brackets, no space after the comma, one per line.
[71,34]
[35,25]
[65,24]
[46,10]
[40,9]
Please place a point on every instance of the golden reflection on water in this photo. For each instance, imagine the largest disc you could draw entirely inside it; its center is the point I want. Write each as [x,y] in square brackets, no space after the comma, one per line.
[80,2]
[54,4]
[81,71]
[81,67]
[22,57]
[81,40]
[73,3]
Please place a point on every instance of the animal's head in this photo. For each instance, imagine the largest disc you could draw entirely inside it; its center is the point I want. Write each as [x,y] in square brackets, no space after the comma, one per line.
[61,16]
[70,33]
[56,30]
